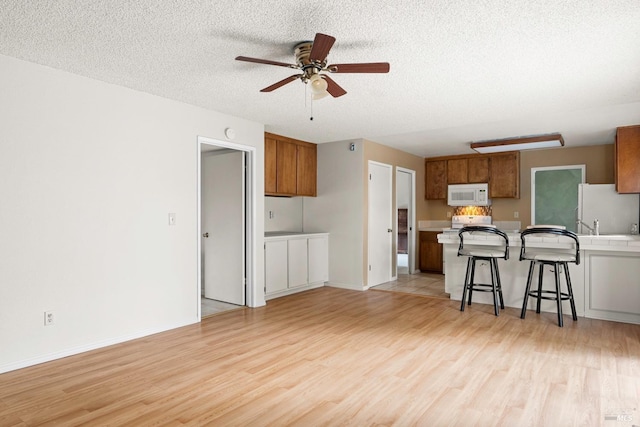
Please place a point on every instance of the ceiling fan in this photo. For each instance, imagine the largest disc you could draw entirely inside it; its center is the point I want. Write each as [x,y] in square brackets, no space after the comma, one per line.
[311,59]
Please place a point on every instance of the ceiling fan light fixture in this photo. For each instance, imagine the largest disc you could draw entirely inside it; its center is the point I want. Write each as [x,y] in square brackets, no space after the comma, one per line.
[318,86]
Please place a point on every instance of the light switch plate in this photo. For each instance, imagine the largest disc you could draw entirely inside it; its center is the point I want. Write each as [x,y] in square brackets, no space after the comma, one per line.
[172,219]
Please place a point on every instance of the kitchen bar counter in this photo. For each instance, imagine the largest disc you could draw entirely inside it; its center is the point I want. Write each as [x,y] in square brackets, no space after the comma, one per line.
[606,283]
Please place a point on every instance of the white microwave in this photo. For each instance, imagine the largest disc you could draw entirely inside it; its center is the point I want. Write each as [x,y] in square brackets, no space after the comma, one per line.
[468,195]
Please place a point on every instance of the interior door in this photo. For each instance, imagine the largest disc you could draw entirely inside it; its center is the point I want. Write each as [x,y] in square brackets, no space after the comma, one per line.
[223,226]
[380,233]
[405,200]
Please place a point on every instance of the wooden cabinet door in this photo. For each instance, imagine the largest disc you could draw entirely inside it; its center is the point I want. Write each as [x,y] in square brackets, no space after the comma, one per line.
[457,171]
[403,231]
[436,180]
[430,252]
[627,159]
[505,175]
[478,169]
[270,150]
[286,169]
[306,170]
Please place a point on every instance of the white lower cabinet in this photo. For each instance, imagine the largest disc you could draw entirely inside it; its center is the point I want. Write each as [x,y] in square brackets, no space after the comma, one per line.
[275,277]
[612,287]
[295,263]
[318,259]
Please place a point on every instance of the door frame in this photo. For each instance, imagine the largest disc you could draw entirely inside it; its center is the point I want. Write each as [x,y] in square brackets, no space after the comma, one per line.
[250,217]
[411,218]
[392,255]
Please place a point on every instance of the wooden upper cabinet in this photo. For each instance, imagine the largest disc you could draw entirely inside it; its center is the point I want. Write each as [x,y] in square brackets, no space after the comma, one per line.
[478,169]
[457,171]
[290,166]
[504,179]
[435,179]
[627,159]
[500,170]
[307,170]
[270,149]
[286,168]
[468,170]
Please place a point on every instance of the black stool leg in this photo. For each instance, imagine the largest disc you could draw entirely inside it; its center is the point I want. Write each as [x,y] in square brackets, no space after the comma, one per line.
[570,291]
[473,277]
[495,261]
[494,286]
[466,284]
[558,293]
[539,296]
[526,291]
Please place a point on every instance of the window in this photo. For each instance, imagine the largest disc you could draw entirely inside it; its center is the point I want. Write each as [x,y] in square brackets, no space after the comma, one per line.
[554,195]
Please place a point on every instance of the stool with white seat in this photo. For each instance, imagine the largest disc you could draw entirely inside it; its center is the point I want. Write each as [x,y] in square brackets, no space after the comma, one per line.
[493,246]
[556,257]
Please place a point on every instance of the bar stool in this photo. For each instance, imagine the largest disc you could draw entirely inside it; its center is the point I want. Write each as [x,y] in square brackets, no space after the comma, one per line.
[483,250]
[556,257]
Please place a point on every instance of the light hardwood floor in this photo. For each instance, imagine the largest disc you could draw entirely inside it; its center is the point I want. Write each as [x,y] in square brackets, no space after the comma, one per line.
[210,307]
[425,284]
[337,357]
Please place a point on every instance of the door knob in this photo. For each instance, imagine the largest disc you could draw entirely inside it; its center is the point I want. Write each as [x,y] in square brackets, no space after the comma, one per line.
[205,235]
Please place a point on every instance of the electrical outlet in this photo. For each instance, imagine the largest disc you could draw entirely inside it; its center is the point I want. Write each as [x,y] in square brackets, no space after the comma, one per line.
[516,214]
[48,318]
[448,214]
[271,215]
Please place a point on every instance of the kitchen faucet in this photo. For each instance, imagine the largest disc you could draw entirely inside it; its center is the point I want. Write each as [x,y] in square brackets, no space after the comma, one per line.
[596,226]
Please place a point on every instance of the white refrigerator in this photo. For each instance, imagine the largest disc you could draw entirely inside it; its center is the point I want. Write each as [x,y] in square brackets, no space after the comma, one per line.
[615,212]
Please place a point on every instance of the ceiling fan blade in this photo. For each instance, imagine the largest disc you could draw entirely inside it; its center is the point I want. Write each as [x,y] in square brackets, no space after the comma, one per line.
[264,61]
[321,46]
[333,88]
[281,83]
[371,67]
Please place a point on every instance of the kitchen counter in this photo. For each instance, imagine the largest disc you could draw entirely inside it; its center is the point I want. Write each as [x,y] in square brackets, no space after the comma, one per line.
[613,242]
[605,283]
[278,235]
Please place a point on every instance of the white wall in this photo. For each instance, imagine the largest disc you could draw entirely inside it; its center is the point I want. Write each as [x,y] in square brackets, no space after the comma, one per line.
[88,174]
[286,212]
[338,209]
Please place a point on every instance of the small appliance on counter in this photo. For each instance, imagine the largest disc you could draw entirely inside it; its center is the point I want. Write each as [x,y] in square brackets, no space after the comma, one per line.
[459,221]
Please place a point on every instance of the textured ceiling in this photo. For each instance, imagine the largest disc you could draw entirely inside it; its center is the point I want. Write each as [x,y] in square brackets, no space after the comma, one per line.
[460,70]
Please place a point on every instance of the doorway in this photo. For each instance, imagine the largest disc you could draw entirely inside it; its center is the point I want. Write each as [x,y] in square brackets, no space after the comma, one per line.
[405,227]
[380,229]
[225,224]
